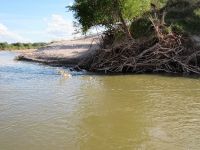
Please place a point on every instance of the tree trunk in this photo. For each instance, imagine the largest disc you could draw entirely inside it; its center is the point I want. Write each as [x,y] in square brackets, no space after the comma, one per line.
[124,26]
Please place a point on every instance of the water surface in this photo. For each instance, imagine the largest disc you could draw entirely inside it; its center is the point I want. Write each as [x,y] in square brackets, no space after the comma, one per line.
[40,109]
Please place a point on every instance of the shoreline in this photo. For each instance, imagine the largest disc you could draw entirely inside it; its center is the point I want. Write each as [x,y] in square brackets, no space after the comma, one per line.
[62,53]
[83,54]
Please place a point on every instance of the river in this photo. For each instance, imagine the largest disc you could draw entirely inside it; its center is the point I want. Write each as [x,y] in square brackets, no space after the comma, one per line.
[42,110]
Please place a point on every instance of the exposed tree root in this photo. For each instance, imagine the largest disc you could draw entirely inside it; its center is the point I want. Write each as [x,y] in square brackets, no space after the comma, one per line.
[167,53]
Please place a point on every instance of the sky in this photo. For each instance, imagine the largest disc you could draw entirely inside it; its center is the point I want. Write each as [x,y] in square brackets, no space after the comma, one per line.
[35,20]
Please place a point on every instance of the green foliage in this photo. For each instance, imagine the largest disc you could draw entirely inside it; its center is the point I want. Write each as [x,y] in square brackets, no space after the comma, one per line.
[141,27]
[197,12]
[89,13]
[3,45]
[20,46]
[176,27]
[159,3]
[135,8]
[184,16]
[107,13]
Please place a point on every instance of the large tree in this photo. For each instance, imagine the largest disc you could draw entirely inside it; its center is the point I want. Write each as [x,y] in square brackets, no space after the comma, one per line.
[108,13]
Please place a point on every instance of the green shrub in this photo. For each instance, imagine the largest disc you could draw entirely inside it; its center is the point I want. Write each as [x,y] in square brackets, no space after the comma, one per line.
[141,27]
[176,27]
[183,16]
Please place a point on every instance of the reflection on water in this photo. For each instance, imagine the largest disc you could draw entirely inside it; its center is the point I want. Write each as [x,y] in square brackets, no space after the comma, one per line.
[39,109]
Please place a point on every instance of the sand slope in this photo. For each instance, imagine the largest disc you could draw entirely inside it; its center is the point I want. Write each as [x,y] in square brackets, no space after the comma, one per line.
[69,52]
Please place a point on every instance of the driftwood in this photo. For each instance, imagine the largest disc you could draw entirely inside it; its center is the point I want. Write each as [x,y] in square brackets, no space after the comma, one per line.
[167,53]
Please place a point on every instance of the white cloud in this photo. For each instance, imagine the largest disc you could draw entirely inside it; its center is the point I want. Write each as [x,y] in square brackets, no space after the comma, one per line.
[9,36]
[59,28]
[71,3]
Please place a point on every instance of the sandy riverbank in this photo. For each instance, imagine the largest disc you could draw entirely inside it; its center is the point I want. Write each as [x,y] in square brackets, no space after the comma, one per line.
[68,53]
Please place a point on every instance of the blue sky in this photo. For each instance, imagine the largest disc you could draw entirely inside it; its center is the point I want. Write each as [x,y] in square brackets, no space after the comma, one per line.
[35,20]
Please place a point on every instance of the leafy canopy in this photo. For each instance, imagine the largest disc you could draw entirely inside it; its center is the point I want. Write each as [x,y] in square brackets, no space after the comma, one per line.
[107,13]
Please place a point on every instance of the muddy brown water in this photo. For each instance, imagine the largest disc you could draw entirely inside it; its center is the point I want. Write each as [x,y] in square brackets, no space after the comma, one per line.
[42,110]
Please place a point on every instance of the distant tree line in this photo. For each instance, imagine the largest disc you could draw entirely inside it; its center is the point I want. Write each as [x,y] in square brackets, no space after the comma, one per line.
[20,46]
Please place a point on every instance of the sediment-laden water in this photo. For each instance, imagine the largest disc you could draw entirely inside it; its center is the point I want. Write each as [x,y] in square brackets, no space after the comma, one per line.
[41,109]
